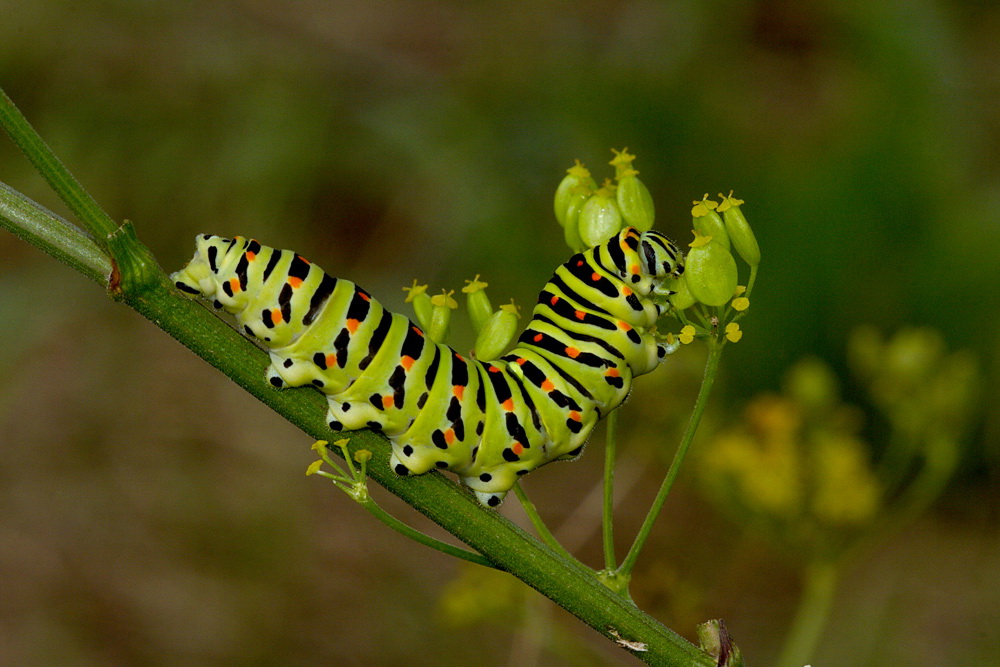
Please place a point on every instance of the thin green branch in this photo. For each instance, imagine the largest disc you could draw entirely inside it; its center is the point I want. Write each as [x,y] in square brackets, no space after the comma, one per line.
[811,615]
[543,532]
[84,207]
[608,510]
[715,346]
[423,538]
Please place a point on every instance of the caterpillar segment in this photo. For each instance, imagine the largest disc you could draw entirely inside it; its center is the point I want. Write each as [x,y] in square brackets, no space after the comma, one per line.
[592,330]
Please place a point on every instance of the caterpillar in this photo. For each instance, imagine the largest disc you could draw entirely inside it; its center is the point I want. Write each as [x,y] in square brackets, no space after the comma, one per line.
[592,330]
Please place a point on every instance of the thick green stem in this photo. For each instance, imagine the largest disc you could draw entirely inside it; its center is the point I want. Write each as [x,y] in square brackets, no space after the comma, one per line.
[811,616]
[715,346]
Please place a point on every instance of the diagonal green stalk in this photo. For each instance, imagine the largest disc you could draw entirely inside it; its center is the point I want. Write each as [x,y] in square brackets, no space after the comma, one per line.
[543,532]
[715,345]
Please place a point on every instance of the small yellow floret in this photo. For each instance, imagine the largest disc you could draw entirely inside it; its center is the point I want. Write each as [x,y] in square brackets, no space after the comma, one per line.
[474,285]
[699,240]
[728,201]
[687,334]
[314,467]
[414,290]
[733,332]
[579,170]
[702,207]
[362,455]
[741,303]
[512,308]
[445,299]
[319,445]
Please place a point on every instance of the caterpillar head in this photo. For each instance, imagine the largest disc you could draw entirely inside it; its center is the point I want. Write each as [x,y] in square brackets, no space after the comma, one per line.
[213,256]
[659,257]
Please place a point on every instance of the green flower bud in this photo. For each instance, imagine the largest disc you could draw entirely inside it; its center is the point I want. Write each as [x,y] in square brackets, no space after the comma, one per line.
[422,306]
[600,218]
[709,223]
[682,297]
[739,230]
[571,232]
[440,321]
[480,308]
[635,202]
[577,184]
[710,272]
[498,333]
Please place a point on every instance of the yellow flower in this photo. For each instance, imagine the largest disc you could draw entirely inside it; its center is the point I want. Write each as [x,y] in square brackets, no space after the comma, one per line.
[728,201]
[473,285]
[445,299]
[314,467]
[741,303]
[704,206]
[699,240]
[733,332]
[687,334]
[413,291]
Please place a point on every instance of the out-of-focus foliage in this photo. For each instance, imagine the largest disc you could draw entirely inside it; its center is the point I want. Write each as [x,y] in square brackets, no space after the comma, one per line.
[151,512]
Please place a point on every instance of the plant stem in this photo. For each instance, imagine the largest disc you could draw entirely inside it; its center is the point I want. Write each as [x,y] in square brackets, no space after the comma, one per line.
[610,460]
[423,538]
[544,534]
[715,346]
[87,211]
[811,615]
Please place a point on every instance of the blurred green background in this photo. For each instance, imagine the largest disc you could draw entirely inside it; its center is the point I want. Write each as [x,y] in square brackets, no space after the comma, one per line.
[152,513]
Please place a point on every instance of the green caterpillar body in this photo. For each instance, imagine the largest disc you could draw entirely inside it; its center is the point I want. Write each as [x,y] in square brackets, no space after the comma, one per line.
[591,332]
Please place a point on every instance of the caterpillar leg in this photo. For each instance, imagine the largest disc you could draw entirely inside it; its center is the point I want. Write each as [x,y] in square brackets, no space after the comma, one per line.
[490,499]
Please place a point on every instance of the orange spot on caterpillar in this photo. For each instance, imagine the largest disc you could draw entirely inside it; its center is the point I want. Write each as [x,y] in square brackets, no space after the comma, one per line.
[572,352]
[554,300]
[303,259]
[537,338]
[352,325]
[251,255]
[331,361]
[364,296]
[595,276]
[624,326]
[517,448]
[449,436]
[459,391]
[579,314]
[493,369]
[635,268]
[575,416]
[520,361]
[388,401]
[295,282]
[626,291]
[234,284]
[508,405]
[276,316]
[406,362]
[547,385]
[417,331]
[613,372]
[459,357]
[579,262]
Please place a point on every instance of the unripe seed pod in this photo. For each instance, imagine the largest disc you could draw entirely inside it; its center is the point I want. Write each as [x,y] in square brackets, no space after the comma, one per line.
[739,230]
[478,303]
[600,218]
[710,272]
[576,184]
[635,202]
[440,321]
[711,224]
[422,306]
[497,335]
